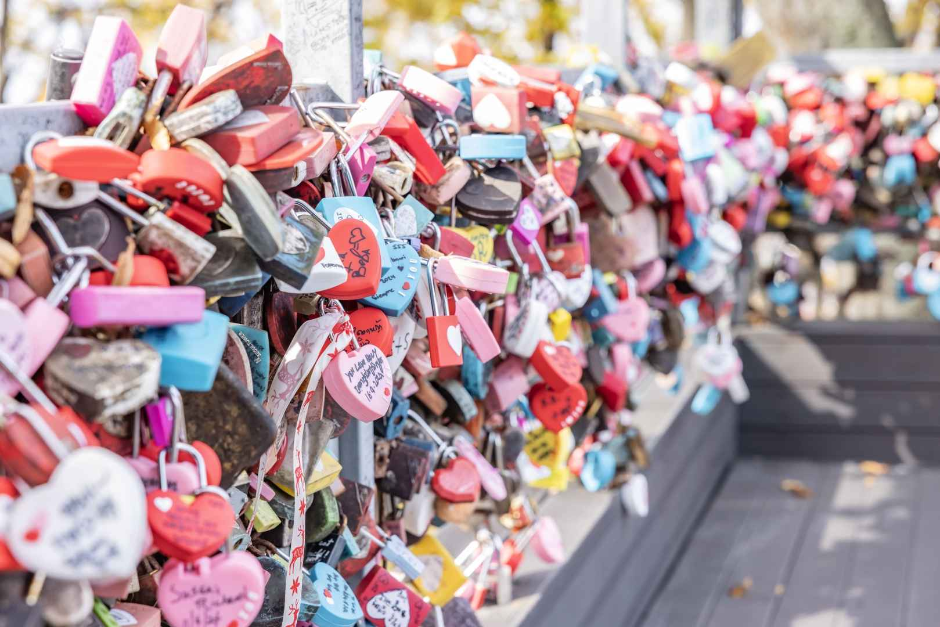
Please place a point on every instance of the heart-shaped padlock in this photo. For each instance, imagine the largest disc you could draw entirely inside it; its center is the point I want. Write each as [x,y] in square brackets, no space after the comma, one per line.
[226,589]
[372,326]
[397,286]
[558,409]
[189,529]
[491,198]
[457,482]
[358,250]
[361,382]
[556,364]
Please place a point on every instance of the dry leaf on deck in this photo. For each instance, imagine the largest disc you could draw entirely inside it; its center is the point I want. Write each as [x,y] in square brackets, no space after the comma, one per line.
[874,468]
[23,218]
[738,591]
[125,265]
[796,488]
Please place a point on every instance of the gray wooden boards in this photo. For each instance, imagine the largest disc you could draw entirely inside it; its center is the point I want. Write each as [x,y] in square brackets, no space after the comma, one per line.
[860,553]
[842,390]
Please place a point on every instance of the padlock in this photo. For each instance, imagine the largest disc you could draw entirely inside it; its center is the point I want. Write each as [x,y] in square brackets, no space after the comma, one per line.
[403,129]
[479,147]
[190,353]
[110,65]
[183,252]
[491,198]
[233,268]
[210,114]
[53,191]
[261,78]
[386,602]
[177,174]
[305,156]
[498,109]
[123,121]
[444,337]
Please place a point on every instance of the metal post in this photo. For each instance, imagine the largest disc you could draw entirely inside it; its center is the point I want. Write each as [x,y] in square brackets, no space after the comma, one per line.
[715,22]
[323,42]
[604,24]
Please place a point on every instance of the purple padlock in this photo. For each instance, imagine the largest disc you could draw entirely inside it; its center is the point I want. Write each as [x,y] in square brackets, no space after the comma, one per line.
[160,419]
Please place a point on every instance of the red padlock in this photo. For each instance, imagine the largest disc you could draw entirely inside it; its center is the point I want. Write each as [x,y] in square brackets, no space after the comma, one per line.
[182,176]
[428,166]
[445,342]
[85,159]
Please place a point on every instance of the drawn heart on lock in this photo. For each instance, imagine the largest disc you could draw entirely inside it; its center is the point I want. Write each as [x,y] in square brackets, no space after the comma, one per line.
[225,590]
[89,521]
[406,221]
[91,228]
[8,494]
[457,482]
[189,528]
[393,607]
[557,365]
[372,327]
[181,477]
[358,250]
[558,409]
[490,112]
[338,603]
[398,285]
[630,322]
[361,382]
[13,341]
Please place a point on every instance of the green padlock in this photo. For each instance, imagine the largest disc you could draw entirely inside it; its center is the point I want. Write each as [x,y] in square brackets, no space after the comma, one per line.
[322,516]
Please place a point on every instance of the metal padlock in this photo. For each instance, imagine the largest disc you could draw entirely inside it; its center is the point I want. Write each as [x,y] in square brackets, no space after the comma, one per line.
[491,198]
[257,215]
[183,252]
[299,251]
[53,191]
[408,468]
[122,123]
[208,115]
[232,270]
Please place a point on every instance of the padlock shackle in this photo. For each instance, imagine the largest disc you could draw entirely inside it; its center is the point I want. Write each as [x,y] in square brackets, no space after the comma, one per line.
[72,277]
[305,206]
[35,139]
[511,244]
[200,467]
[52,230]
[30,390]
[122,209]
[178,426]
[39,425]
[421,422]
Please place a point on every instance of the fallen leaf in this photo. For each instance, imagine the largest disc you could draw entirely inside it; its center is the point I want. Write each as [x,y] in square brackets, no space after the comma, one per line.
[779,589]
[738,591]
[125,265]
[796,488]
[874,468]
[23,217]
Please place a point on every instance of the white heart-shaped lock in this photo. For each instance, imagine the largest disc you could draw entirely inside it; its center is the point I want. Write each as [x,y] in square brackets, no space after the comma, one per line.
[404,326]
[578,290]
[88,522]
[391,606]
[526,329]
[490,112]
[726,241]
[708,279]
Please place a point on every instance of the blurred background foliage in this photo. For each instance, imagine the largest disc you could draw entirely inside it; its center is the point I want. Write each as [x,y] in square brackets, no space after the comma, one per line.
[535,31]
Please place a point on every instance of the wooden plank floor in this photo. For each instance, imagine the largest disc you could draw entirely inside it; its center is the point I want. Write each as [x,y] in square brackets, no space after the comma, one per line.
[862,552]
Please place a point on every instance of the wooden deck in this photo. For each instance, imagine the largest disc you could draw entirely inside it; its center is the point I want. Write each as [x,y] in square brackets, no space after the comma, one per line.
[861,552]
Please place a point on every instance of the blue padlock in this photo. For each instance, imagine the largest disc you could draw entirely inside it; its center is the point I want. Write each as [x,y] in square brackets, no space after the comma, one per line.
[604,303]
[642,347]
[689,310]
[474,374]
[933,304]
[656,185]
[696,137]
[7,197]
[602,337]
[398,285]
[257,346]
[506,147]
[231,305]
[677,384]
[392,424]
[899,170]
[459,78]
[705,399]
[599,469]
[783,292]
[190,353]
[671,117]
[696,256]
[362,208]
[864,241]
[411,217]
[339,606]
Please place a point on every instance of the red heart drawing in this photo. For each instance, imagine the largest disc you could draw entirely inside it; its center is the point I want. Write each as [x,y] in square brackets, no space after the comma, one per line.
[458,482]
[558,409]
[557,365]
[372,327]
[358,249]
[189,531]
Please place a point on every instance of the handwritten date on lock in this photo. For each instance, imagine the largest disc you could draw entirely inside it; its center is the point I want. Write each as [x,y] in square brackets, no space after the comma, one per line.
[83,510]
[208,601]
[366,375]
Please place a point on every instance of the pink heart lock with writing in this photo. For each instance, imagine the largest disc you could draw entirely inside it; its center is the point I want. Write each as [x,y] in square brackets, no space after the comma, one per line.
[227,589]
[490,478]
[181,477]
[361,382]
[476,330]
[631,321]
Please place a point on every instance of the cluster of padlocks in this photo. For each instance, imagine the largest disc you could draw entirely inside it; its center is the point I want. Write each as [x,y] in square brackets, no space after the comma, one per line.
[213,277]
[861,157]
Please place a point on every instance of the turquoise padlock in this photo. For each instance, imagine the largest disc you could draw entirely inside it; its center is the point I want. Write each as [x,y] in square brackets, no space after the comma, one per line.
[599,469]
[190,353]
[459,78]
[696,256]
[864,241]
[339,606]
[602,337]
[706,399]
[604,303]
[899,170]
[398,285]
[392,424]
[478,147]
[689,310]
[474,374]
[783,292]
[341,207]
[258,347]
[933,304]
[7,197]
[411,217]
[696,136]
[642,347]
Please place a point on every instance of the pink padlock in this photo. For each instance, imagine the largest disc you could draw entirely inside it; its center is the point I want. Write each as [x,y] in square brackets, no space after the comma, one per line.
[898,144]
[634,181]
[374,113]
[476,330]
[182,48]
[160,420]
[631,321]
[842,194]
[694,195]
[255,134]
[127,306]
[109,66]
[471,275]
[528,221]
[490,478]
[499,109]
[509,383]
[429,89]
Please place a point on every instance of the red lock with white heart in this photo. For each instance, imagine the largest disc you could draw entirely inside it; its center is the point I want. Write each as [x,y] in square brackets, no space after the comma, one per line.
[444,339]
[386,602]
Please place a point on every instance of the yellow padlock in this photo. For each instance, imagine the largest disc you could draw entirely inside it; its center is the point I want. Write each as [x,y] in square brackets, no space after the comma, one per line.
[779,219]
[324,473]
[918,87]
[441,577]
[889,87]
[560,321]
[548,453]
[482,242]
[562,142]
[264,516]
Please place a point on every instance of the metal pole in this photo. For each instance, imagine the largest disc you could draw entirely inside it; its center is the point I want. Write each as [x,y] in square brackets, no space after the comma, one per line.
[604,24]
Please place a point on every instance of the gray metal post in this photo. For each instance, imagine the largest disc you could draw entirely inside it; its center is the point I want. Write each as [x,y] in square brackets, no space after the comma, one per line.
[604,24]
[323,42]
[715,22]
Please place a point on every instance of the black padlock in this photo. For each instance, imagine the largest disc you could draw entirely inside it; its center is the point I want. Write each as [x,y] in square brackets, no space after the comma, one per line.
[233,270]
[492,197]
[298,253]
[94,226]
[408,468]
[354,503]
[329,550]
